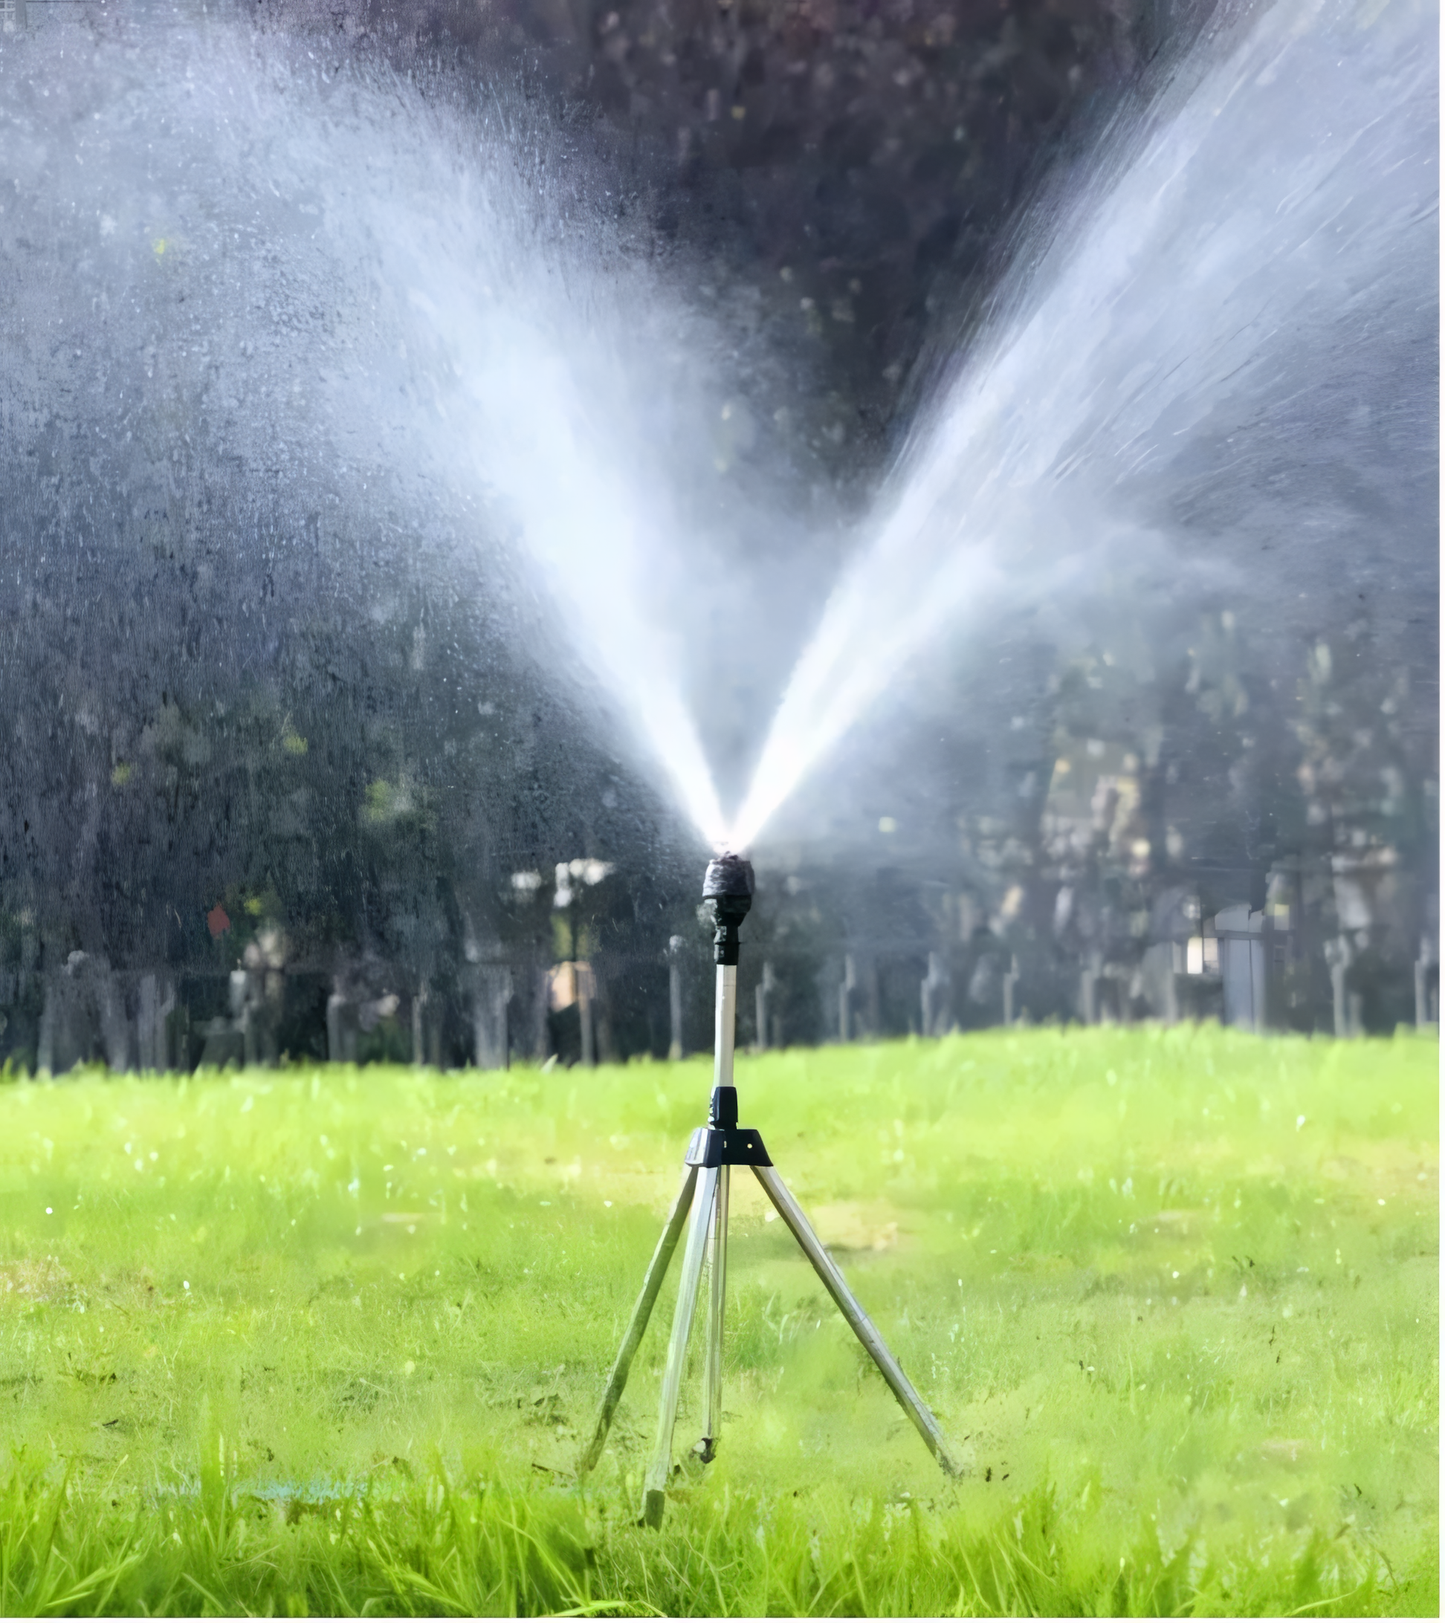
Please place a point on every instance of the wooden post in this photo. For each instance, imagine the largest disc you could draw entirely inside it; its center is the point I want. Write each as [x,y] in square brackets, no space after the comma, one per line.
[674,995]
[845,994]
[418,1025]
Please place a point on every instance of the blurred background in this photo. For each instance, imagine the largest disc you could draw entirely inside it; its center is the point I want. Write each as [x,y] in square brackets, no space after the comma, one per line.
[274,789]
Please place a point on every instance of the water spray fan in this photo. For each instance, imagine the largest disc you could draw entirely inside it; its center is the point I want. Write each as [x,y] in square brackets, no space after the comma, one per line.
[712,1152]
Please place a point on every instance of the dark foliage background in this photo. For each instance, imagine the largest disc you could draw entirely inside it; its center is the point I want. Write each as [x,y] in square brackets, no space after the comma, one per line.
[233,796]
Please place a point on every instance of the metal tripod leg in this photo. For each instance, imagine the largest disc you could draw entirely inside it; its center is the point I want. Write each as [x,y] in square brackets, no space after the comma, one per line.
[717,1294]
[862,1326]
[655,1490]
[651,1285]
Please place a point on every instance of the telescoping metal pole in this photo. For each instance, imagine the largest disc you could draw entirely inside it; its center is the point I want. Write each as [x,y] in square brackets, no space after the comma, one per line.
[724,1035]
[725,1013]
[729,886]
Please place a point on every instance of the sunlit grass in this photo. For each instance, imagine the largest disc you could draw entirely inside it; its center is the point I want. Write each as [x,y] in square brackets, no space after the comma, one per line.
[331,1338]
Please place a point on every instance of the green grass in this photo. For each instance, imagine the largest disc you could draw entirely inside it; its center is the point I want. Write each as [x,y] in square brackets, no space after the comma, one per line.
[330,1340]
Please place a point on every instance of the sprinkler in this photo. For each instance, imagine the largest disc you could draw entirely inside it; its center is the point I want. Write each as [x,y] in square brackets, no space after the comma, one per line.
[712,1152]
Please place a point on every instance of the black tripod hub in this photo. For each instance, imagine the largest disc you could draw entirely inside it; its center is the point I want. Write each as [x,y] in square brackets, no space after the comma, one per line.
[722,1143]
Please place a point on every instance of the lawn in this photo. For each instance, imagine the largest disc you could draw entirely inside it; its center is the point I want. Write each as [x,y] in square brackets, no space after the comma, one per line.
[326,1340]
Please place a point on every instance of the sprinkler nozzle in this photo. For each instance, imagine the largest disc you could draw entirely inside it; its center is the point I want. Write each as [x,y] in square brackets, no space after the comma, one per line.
[728,885]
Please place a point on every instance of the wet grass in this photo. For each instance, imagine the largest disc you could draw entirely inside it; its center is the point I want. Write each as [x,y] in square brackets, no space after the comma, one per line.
[329,1340]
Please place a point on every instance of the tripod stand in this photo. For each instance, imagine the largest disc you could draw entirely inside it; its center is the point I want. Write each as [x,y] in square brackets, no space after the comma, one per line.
[711,1154]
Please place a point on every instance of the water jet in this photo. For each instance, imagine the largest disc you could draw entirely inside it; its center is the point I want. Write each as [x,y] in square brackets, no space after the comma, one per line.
[1182,324]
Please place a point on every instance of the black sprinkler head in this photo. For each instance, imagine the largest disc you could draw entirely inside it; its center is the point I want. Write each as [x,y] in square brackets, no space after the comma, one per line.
[728,885]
